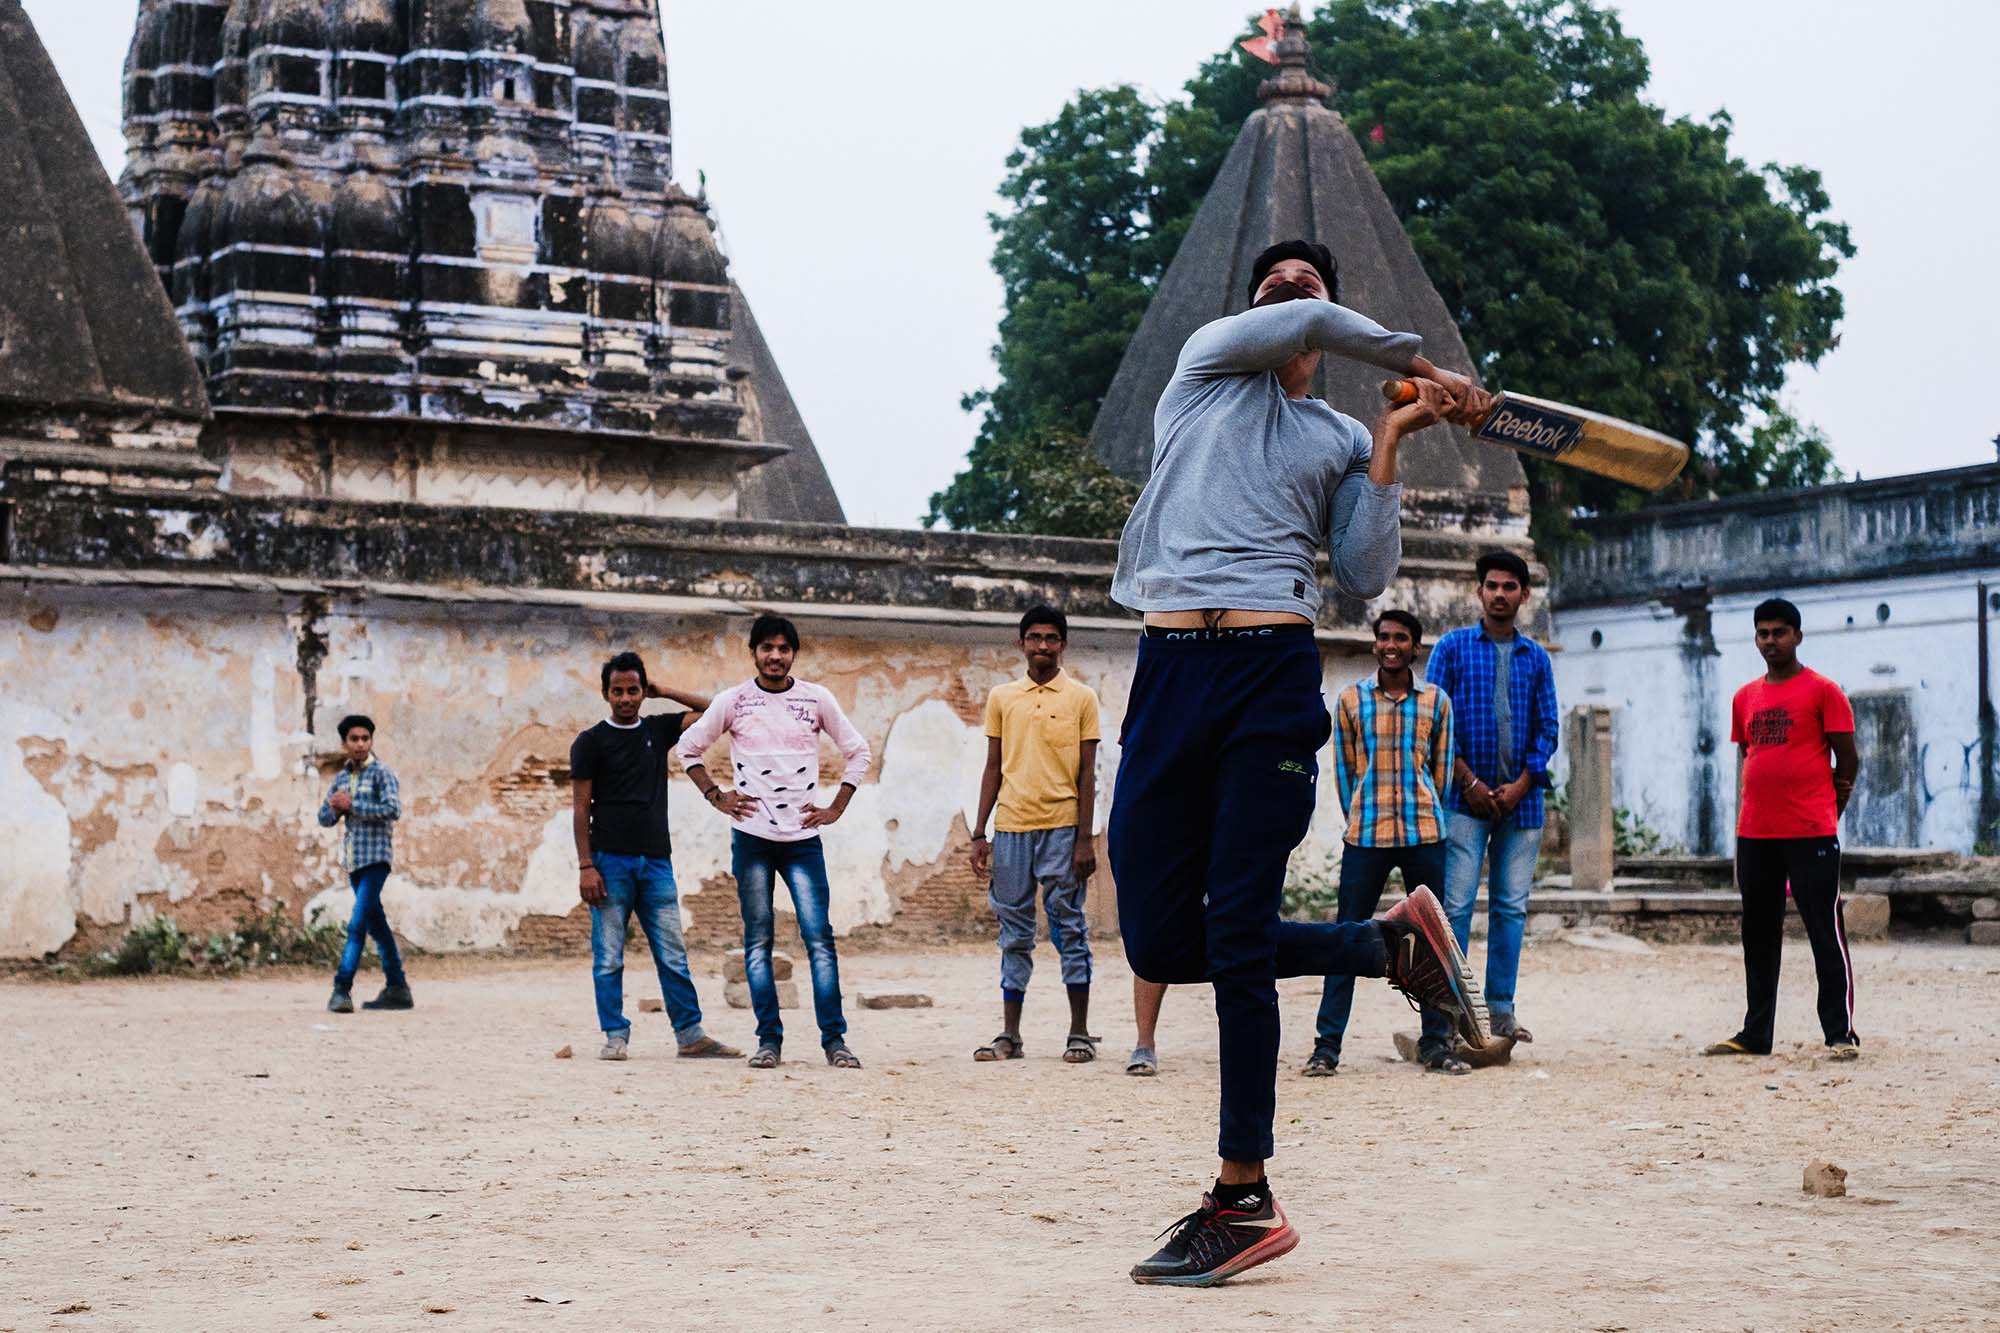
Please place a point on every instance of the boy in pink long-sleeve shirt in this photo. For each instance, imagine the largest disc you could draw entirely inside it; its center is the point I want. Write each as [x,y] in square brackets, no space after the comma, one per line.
[774,724]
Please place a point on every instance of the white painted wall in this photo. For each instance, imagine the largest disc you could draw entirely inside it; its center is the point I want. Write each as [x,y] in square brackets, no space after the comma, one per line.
[1927,645]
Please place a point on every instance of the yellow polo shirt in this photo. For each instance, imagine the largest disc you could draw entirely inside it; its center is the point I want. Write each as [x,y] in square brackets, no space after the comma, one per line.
[1041,730]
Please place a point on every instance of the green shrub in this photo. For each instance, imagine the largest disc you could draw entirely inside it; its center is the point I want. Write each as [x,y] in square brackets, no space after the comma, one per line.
[157,946]
[267,939]
[1312,894]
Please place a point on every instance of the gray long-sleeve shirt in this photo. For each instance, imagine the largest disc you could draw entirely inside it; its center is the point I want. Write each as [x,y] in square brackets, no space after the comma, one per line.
[1246,483]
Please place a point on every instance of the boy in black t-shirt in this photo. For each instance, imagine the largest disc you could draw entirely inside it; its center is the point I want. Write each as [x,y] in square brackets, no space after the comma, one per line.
[618,789]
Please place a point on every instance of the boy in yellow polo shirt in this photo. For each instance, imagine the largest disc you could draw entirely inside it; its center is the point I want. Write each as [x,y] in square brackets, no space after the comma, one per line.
[1041,768]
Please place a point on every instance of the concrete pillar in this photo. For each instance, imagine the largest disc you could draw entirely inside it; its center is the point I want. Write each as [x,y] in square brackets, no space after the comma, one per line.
[1590,827]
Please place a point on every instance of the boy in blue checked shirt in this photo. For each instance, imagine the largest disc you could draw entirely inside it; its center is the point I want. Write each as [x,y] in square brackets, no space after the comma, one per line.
[364,793]
[1392,760]
[1503,697]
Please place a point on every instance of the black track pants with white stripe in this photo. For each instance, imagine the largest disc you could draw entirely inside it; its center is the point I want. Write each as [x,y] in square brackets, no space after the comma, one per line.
[1764,866]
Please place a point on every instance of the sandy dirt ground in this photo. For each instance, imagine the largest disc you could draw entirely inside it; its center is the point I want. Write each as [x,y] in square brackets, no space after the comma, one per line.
[225,1155]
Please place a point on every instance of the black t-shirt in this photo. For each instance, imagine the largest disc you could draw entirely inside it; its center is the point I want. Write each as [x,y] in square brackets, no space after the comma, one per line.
[627,769]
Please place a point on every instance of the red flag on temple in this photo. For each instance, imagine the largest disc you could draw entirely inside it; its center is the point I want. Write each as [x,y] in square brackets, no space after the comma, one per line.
[1265,48]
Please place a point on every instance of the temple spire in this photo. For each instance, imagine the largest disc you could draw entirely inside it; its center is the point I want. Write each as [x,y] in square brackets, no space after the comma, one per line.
[1294,81]
[1297,172]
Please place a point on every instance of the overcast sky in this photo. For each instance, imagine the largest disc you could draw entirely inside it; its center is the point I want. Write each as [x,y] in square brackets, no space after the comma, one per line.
[852,150]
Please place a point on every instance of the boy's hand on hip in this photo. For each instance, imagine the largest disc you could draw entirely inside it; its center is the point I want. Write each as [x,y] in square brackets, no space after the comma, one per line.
[819,816]
[735,804]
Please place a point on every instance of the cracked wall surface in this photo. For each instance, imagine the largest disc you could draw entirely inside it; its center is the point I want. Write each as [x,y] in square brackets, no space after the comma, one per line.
[158,759]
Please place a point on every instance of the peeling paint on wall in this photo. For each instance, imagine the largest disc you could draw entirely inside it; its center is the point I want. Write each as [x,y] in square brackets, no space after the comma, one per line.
[191,796]
[36,913]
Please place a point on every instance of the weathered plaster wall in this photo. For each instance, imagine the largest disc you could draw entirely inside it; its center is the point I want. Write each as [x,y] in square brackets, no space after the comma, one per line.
[1669,669]
[165,751]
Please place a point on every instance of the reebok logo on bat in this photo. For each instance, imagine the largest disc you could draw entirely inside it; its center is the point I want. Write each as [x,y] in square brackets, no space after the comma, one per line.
[1544,433]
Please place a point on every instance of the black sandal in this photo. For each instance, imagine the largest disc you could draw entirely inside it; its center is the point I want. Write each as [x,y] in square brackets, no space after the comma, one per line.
[841,1058]
[765,1058]
[1006,1046]
[1079,1049]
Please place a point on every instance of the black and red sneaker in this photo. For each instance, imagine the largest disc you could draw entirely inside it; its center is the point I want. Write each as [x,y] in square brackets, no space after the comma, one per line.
[1213,1244]
[1426,964]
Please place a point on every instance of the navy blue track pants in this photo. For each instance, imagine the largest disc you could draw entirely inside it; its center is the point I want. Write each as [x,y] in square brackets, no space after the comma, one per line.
[1216,786]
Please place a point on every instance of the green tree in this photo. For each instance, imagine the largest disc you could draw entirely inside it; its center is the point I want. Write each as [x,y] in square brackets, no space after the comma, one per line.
[1076,270]
[1591,248]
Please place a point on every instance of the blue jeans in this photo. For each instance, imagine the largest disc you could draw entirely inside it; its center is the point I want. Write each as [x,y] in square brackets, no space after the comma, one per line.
[1363,873]
[1471,841]
[645,885]
[757,863]
[368,919]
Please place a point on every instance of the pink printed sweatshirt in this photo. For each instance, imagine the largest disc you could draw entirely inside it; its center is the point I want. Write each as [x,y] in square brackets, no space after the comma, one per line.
[774,751]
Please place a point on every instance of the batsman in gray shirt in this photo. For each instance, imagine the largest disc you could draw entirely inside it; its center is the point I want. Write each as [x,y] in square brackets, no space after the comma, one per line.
[1250,477]
[1225,716]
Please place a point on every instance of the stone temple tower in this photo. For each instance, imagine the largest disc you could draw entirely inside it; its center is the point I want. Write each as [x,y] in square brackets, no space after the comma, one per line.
[1297,171]
[431,251]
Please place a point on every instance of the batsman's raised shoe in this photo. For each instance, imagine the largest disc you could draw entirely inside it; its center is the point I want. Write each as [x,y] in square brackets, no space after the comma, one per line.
[340,1003]
[1213,1244]
[1426,965]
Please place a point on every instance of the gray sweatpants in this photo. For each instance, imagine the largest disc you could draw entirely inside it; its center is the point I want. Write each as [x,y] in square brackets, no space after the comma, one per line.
[1020,860]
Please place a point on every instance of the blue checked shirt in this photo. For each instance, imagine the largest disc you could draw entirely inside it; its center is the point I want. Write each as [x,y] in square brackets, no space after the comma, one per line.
[1462,665]
[378,804]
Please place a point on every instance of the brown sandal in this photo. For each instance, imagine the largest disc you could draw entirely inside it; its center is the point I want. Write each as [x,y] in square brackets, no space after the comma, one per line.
[1006,1046]
[708,1048]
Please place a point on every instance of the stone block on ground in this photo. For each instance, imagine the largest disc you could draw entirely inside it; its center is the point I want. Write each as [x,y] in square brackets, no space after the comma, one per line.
[899,1000]
[732,966]
[1983,932]
[737,995]
[1867,916]
[1825,1180]
[1985,909]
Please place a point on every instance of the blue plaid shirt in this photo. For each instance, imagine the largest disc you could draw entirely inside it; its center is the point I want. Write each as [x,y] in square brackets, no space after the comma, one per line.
[378,804]
[1462,665]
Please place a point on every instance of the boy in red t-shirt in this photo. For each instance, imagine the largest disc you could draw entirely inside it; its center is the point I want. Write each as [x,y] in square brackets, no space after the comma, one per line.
[1789,801]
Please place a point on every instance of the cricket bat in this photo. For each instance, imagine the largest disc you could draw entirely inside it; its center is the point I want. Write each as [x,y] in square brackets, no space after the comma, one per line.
[1573,437]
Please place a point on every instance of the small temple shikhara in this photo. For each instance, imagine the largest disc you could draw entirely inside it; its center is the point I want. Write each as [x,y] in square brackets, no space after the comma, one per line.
[432,251]
[1296,171]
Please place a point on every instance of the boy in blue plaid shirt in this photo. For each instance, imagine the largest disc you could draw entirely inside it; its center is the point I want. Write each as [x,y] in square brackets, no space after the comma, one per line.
[364,794]
[1503,700]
